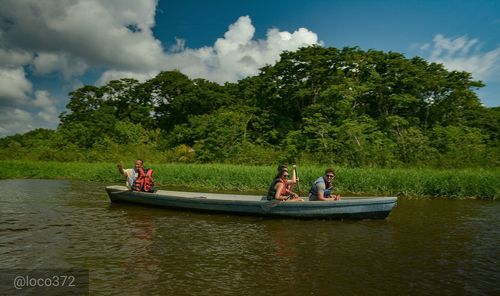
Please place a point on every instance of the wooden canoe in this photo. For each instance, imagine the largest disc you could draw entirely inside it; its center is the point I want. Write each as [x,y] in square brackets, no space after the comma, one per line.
[347,208]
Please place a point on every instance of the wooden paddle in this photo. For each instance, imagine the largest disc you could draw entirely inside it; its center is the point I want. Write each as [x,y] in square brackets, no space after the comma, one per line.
[297,176]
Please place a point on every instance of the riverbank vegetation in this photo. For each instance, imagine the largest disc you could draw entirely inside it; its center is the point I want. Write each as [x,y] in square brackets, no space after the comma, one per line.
[332,106]
[389,124]
[407,183]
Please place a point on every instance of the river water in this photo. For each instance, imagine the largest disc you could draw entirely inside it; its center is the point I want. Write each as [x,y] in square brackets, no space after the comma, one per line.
[425,247]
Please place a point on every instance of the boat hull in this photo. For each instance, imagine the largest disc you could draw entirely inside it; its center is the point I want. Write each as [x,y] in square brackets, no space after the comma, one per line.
[347,208]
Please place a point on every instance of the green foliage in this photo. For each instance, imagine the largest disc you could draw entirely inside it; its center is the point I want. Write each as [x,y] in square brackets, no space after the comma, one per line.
[177,98]
[180,154]
[407,183]
[321,105]
[459,146]
[213,136]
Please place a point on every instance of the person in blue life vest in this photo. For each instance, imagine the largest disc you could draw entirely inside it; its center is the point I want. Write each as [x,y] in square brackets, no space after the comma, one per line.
[322,188]
[280,188]
[138,178]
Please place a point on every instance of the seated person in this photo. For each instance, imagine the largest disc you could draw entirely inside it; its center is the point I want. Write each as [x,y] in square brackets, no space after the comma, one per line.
[138,178]
[279,188]
[322,188]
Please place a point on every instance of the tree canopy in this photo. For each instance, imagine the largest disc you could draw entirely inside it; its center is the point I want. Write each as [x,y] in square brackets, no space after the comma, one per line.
[342,106]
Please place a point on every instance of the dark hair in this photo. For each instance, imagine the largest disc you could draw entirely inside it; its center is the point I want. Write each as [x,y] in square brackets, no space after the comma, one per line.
[280,172]
[329,170]
[282,167]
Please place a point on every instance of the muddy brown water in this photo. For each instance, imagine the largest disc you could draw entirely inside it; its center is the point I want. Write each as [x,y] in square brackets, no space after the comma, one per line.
[425,247]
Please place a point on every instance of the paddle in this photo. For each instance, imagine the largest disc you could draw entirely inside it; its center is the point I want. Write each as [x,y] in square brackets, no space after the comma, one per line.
[297,176]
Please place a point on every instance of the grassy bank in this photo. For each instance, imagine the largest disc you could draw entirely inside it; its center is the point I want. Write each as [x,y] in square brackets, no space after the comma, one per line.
[412,183]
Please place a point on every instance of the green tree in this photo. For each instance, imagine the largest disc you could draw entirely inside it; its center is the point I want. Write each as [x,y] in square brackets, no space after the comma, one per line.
[213,136]
[459,146]
[94,111]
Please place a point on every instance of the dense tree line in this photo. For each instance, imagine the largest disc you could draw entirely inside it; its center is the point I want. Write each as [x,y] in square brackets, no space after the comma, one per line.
[342,106]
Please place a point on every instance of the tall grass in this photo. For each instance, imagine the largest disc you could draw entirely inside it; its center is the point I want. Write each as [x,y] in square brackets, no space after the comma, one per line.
[411,183]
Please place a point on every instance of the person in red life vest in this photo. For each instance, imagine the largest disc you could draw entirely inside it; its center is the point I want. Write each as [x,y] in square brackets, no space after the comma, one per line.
[289,182]
[138,178]
[322,188]
[280,187]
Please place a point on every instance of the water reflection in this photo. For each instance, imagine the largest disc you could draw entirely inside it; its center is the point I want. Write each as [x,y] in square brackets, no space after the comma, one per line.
[424,247]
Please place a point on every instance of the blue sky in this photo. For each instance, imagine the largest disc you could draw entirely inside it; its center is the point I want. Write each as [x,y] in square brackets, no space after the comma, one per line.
[48,48]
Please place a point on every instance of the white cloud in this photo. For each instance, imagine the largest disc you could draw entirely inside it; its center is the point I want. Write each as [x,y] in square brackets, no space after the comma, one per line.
[14,87]
[14,120]
[47,112]
[238,55]
[41,113]
[112,34]
[231,58]
[465,54]
[114,39]
[46,63]
[13,58]
[70,37]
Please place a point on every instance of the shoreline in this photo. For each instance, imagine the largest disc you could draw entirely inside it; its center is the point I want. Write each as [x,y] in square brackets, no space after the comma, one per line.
[410,183]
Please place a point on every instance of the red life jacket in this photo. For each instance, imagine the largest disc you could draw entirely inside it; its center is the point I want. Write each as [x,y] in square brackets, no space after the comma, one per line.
[286,188]
[272,189]
[144,182]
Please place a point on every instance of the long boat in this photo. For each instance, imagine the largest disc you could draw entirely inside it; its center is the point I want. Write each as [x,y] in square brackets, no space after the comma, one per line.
[346,208]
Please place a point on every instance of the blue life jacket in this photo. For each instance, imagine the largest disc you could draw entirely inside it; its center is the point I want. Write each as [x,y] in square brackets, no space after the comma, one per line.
[313,192]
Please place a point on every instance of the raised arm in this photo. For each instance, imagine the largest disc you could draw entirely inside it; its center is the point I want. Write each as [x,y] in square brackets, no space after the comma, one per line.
[294,178]
[120,169]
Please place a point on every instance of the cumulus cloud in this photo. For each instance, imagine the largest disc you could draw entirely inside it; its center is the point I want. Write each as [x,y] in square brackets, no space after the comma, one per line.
[14,120]
[21,110]
[47,113]
[113,38]
[70,37]
[238,55]
[13,58]
[233,57]
[37,112]
[67,38]
[465,54]
[14,87]
[113,33]
[46,63]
